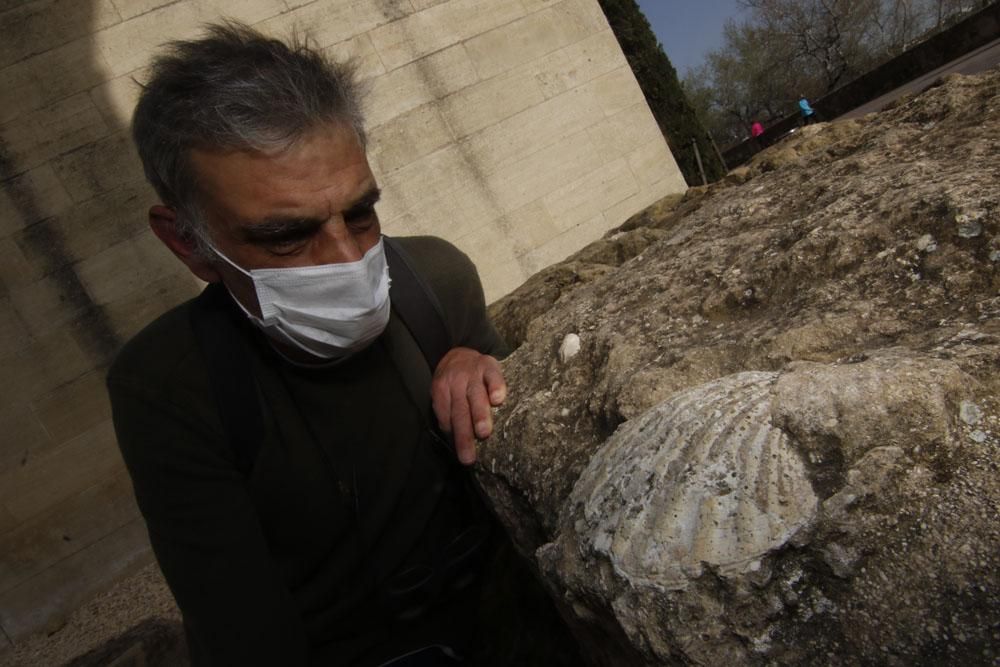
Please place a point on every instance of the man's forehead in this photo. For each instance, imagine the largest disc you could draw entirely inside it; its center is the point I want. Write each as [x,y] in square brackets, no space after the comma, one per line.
[331,141]
[327,166]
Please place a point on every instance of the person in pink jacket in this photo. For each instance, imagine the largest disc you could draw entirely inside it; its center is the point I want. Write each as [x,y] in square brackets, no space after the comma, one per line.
[756,130]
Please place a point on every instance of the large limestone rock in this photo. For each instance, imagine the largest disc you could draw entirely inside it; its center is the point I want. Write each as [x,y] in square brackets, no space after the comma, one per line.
[760,425]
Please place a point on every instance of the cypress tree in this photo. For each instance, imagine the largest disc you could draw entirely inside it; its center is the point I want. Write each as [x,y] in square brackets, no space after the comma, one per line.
[658,80]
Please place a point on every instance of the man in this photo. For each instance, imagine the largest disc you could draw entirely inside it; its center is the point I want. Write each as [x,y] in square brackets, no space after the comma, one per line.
[278,429]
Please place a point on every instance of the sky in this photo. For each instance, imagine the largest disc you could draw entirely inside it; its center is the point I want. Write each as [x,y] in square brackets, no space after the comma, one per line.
[688,29]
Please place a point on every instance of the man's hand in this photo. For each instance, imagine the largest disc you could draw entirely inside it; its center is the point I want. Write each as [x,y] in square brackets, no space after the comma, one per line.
[466,385]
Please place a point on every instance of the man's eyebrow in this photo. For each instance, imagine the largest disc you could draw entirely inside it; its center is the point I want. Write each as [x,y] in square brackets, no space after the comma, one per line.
[369,198]
[282,228]
[279,228]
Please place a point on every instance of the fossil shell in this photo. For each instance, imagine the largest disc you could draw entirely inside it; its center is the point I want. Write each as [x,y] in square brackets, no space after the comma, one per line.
[702,478]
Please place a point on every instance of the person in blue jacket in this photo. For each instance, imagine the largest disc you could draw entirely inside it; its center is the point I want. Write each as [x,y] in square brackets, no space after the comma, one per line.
[808,113]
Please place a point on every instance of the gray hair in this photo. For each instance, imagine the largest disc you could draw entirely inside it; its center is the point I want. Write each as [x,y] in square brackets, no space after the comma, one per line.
[233,89]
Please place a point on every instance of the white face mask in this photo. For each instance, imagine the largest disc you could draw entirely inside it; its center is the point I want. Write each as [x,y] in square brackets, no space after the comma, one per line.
[330,311]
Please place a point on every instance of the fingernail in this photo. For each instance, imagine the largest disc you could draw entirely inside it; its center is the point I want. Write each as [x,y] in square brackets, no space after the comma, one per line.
[498,396]
[467,457]
[483,429]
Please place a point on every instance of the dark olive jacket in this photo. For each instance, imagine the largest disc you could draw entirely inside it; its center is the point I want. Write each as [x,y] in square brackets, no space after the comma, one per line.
[290,563]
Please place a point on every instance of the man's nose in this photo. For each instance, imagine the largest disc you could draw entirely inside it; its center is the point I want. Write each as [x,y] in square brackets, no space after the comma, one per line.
[336,243]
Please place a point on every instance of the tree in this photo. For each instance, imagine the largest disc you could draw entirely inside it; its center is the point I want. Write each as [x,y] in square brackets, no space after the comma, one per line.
[667,100]
[825,38]
[742,83]
[785,49]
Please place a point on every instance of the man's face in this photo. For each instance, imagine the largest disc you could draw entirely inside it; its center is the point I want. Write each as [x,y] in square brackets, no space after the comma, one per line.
[310,204]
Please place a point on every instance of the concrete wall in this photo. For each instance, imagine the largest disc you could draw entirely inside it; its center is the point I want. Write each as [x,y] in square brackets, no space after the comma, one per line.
[512,127]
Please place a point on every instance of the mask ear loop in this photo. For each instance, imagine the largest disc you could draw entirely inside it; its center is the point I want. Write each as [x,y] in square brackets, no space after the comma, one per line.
[244,272]
[228,261]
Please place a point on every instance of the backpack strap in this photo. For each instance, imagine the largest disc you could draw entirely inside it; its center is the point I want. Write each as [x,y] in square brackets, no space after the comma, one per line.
[227,357]
[416,305]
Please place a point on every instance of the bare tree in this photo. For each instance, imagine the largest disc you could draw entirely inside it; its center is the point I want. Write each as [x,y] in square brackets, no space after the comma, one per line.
[788,48]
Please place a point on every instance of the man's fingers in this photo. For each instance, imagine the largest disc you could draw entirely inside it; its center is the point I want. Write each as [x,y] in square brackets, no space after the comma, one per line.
[441,402]
[461,427]
[465,448]
[466,385]
[479,409]
[495,384]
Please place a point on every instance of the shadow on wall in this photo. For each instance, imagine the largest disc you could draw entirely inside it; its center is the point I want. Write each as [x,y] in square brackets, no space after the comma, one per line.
[39,153]
[79,274]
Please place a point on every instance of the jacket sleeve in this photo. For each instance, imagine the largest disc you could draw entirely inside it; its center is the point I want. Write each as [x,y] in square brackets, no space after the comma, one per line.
[455,282]
[206,535]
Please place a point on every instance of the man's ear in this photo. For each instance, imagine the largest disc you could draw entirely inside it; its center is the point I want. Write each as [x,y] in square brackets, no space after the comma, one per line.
[163,222]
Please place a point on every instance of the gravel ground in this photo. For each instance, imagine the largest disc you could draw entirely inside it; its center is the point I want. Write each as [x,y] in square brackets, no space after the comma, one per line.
[135,623]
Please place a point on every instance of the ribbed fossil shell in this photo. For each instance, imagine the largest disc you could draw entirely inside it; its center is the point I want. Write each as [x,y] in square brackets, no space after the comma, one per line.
[701,478]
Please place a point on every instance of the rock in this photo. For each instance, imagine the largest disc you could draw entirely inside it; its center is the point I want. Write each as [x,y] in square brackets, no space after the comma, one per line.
[514,313]
[153,642]
[969,226]
[926,243]
[738,175]
[970,413]
[780,440]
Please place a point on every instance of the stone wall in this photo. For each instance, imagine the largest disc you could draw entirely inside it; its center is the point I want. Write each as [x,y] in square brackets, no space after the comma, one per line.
[512,127]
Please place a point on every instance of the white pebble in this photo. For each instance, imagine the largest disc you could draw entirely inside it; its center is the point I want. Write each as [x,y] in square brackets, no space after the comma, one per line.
[569,348]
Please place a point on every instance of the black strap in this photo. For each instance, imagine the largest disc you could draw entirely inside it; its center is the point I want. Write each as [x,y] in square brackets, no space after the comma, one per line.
[227,357]
[416,305]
